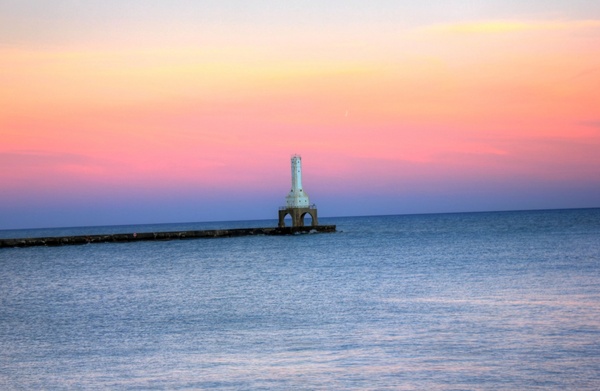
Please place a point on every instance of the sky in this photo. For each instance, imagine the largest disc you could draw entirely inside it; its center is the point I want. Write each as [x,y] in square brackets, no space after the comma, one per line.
[155,111]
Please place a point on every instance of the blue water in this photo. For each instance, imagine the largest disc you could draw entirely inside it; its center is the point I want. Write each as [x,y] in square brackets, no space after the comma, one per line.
[473,301]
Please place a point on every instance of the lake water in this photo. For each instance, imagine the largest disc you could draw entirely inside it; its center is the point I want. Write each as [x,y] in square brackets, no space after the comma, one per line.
[471,301]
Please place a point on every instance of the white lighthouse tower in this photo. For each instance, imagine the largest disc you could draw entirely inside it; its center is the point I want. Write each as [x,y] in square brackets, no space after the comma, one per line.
[297,204]
[297,198]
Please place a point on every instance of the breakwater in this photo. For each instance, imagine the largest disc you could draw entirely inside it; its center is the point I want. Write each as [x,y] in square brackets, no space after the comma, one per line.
[146,236]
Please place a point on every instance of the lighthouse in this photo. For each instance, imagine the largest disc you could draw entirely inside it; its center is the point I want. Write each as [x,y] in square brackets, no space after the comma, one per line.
[297,198]
[297,204]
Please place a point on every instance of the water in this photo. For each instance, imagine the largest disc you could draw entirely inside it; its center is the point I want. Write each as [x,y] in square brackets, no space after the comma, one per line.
[474,301]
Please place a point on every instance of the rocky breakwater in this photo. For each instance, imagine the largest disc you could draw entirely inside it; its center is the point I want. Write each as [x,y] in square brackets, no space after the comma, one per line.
[146,236]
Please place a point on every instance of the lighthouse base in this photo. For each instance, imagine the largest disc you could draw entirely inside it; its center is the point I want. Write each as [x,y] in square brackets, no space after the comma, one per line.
[297,215]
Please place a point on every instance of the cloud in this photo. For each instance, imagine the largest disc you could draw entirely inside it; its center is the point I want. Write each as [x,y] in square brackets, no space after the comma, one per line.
[586,73]
[35,158]
[509,26]
[26,165]
[592,124]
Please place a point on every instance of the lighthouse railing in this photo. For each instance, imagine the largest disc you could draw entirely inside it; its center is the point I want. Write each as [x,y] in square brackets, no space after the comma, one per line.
[311,206]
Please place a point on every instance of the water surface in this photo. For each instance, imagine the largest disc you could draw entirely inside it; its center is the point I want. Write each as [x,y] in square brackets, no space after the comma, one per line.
[473,301]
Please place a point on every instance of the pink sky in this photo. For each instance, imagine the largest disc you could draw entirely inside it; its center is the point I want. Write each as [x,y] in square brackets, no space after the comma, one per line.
[432,117]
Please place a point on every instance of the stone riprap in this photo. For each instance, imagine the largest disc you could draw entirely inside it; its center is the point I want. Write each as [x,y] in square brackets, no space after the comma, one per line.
[145,236]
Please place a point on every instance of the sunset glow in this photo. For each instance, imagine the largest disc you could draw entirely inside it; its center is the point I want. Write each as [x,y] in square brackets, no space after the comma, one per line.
[411,116]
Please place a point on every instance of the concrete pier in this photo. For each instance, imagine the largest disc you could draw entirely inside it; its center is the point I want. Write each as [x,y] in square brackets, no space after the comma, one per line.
[145,236]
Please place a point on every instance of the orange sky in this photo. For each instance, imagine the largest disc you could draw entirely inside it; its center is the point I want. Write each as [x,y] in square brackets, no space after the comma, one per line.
[377,112]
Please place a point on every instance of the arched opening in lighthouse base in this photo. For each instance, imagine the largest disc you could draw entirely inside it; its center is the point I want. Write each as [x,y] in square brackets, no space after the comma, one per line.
[306,219]
[287,221]
[298,217]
